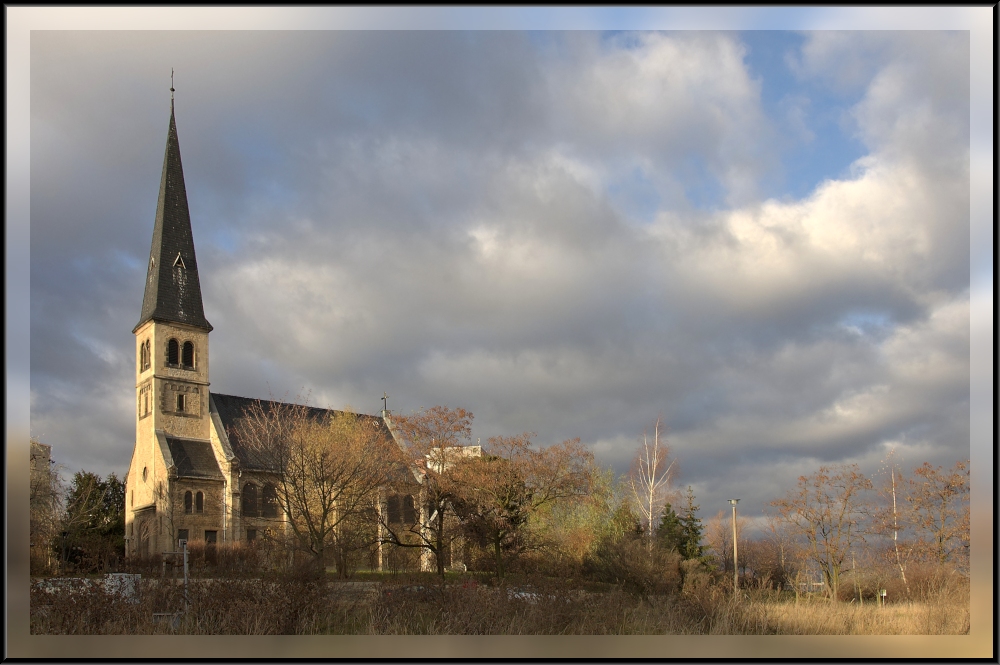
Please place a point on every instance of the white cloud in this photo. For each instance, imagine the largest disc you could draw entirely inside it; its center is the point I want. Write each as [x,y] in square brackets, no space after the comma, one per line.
[564,240]
[668,100]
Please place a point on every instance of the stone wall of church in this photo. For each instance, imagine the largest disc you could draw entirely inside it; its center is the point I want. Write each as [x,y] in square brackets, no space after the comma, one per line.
[174,380]
[211,517]
[263,526]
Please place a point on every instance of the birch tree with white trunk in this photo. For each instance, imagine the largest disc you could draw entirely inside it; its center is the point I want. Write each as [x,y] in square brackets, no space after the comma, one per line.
[650,478]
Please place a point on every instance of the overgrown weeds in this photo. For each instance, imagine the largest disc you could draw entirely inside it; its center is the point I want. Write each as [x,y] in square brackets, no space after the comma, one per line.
[425,605]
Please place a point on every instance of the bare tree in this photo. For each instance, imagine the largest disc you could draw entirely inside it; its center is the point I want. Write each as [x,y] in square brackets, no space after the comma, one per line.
[719,534]
[45,494]
[938,501]
[889,517]
[328,467]
[776,532]
[826,511]
[650,478]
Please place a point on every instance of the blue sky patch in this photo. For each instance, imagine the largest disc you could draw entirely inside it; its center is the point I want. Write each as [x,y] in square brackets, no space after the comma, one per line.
[813,122]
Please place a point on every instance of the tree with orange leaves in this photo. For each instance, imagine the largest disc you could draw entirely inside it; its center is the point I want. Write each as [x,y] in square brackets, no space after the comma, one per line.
[495,495]
[434,440]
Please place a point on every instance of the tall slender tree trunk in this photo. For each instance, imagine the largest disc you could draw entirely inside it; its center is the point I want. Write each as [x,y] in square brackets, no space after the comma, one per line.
[895,534]
[833,583]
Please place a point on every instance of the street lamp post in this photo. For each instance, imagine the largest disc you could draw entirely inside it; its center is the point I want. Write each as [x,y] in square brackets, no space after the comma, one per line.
[736,568]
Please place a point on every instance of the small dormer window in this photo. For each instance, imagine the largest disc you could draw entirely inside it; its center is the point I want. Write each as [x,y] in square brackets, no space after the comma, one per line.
[173,351]
[187,358]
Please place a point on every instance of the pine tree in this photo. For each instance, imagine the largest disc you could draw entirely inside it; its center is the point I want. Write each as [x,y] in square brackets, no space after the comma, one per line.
[691,529]
[94,523]
[670,534]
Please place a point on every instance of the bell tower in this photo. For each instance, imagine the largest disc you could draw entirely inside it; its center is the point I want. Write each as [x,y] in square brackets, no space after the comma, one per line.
[171,347]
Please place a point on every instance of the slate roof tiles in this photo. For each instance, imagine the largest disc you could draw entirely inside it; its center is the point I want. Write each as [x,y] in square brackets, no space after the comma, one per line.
[173,291]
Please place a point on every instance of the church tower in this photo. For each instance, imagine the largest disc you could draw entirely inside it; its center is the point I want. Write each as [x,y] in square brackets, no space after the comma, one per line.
[171,346]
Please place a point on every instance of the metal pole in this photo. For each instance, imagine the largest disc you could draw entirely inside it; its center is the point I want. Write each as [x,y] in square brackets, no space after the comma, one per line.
[184,550]
[736,567]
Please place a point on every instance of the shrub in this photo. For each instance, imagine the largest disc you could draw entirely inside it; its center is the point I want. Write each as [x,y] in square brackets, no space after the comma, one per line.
[639,569]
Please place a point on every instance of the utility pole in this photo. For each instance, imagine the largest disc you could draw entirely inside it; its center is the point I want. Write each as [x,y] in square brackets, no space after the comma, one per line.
[736,567]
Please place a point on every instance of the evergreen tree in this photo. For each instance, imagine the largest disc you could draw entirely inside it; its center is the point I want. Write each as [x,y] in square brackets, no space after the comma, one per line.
[93,527]
[670,534]
[691,528]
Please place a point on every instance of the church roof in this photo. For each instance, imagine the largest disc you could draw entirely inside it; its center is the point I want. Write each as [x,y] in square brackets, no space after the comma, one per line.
[173,292]
[193,459]
[231,410]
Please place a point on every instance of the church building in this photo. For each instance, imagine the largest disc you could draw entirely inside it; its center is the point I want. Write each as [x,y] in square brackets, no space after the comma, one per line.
[190,477]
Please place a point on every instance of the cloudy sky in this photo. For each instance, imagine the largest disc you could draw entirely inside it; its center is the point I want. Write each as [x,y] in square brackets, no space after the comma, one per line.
[762,237]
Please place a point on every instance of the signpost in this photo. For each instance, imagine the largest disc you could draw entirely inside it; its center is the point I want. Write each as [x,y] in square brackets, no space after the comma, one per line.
[175,616]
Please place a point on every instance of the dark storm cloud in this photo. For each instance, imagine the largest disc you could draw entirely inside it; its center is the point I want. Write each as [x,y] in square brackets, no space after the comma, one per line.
[560,232]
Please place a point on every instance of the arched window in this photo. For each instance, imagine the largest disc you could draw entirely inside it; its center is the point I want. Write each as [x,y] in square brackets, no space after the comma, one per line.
[393,515]
[144,538]
[188,357]
[172,352]
[187,502]
[269,498]
[409,513]
[199,503]
[144,356]
[250,500]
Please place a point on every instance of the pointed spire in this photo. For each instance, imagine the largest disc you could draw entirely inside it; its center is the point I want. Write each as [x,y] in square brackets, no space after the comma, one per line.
[173,292]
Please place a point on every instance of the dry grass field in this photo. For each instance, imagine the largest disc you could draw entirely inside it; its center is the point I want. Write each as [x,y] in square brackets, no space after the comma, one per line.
[422,605]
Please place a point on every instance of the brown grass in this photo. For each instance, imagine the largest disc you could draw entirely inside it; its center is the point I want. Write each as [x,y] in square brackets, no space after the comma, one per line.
[415,604]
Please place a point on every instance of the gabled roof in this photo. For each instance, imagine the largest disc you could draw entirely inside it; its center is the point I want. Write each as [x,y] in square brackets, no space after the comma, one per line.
[194,459]
[173,291]
[231,410]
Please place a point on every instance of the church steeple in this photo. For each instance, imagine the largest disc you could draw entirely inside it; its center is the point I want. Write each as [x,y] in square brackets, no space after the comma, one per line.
[173,292]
